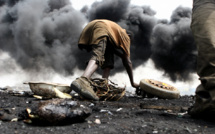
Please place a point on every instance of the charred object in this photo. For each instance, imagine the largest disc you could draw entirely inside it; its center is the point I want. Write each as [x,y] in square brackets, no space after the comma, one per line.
[57,112]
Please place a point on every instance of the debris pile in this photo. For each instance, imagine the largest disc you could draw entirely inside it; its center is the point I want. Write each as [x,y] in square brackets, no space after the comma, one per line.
[107,90]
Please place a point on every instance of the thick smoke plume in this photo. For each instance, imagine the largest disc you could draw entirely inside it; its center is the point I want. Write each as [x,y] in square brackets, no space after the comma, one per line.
[42,34]
[109,9]
[173,47]
[141,21]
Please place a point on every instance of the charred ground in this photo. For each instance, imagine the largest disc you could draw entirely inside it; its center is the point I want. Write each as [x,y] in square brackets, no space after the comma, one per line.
[124,116]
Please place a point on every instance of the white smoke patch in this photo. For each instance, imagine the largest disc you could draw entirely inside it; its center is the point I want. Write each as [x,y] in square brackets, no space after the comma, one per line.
[148,71]
[12,74]
[163,11]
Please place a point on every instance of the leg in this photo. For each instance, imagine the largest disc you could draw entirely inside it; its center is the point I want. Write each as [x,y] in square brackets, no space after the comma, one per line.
[106,73]
[97,58]
[203,28]
[109,60]
[90,69]
[82,85]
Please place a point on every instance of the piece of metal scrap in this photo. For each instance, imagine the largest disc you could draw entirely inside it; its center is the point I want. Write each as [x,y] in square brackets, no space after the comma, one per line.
[49,90]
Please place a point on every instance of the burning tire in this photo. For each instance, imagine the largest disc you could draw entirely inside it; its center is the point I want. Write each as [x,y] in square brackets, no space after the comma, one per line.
[159,89]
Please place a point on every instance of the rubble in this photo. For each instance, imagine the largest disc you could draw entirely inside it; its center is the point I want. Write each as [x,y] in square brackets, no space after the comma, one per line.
[97,121]
[127,116]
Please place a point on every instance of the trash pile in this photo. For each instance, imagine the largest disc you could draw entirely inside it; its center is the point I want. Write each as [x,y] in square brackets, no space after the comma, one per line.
[107,90]
[57,105]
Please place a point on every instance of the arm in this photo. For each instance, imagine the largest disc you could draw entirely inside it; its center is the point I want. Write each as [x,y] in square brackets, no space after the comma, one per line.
[128,65]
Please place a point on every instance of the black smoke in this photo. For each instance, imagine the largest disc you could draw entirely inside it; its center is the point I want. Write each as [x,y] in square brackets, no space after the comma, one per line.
[173,47]
[170,44]
[113,10]
[141,21]
[42,34]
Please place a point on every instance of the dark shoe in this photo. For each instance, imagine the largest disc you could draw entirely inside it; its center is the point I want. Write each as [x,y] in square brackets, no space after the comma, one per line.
[83,87]
[202,108]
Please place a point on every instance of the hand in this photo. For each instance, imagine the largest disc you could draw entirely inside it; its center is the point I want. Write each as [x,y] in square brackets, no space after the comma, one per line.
[135,85]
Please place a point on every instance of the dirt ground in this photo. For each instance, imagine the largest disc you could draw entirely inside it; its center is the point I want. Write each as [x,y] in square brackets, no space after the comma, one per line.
[128,115]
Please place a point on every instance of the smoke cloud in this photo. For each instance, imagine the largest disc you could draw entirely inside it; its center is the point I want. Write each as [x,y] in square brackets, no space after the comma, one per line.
[141,21]
[173,47]
[113,10]
[41,33]
[44,34]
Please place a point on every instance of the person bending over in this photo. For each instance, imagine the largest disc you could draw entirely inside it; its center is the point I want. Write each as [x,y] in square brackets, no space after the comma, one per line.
[103,38]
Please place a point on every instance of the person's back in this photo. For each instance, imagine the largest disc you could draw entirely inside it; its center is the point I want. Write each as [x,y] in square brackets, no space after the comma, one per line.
[104,39]
[97,29]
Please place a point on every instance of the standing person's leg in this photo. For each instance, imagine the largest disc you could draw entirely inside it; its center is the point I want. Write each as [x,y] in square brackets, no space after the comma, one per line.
[203,28]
